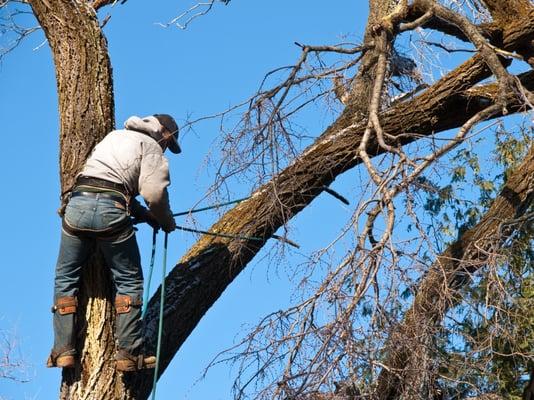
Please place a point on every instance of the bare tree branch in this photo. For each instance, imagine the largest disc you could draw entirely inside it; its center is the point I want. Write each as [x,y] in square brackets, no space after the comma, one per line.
[12,365]
[452,270]
[212,264]
[199,9]
[12,32]
[98,4]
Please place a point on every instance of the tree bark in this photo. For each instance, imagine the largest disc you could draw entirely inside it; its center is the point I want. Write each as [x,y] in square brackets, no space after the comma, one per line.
[506,11]
[84,80]
[362,84]
[409,342]
[86,110]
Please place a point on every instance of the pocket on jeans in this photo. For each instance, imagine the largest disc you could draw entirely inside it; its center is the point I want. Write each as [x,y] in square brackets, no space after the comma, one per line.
[113,216]
[75,217]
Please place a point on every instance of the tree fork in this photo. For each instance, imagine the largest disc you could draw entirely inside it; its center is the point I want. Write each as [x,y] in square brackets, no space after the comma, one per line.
[362,83]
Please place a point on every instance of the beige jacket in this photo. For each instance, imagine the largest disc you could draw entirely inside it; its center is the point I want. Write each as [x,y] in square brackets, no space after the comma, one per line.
[134,157]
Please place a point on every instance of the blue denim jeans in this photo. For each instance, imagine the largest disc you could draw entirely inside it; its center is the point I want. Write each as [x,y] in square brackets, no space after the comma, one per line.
[90,221]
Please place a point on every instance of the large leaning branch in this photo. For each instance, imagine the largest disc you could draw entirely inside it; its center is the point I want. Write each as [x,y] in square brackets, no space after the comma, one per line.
[211,264]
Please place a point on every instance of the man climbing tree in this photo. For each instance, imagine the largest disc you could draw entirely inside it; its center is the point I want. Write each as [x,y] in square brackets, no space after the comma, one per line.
[97,212]
[400,350]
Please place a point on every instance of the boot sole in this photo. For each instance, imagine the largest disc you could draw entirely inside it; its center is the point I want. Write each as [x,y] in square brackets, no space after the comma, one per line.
[130,366]
[62,362]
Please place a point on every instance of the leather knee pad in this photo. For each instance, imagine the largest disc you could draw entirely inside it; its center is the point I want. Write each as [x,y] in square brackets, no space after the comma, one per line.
[124,303]
[65,305]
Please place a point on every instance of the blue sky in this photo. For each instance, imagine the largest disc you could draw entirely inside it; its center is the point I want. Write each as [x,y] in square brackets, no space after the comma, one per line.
[218,61]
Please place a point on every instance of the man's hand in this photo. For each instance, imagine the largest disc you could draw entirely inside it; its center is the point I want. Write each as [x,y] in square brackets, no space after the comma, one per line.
[169,228]
[151,220]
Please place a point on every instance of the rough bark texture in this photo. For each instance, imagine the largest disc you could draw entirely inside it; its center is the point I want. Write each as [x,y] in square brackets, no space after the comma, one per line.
[506,11]
[362,83]
[85,92]
[84,81]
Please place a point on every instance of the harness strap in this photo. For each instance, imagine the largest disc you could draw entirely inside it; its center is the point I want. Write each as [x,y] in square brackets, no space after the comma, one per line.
[101,183]
[124,303]
[108,233]
[65,305]
[103,195]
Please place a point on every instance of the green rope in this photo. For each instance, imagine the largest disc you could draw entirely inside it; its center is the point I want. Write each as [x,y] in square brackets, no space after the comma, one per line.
[209,207]
[154,235]
[160,322]
[240,237]
[224,235]
[151,269]
[164,271]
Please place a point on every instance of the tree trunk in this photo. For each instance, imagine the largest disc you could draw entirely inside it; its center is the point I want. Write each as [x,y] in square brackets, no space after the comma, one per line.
[507,11]
[86,110]
[410,342]
[84,81]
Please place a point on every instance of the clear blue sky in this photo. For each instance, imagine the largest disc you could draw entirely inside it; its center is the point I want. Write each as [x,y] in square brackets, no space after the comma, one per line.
[219,60]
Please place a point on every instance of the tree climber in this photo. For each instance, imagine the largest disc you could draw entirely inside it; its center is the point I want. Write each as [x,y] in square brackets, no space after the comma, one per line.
[98,211]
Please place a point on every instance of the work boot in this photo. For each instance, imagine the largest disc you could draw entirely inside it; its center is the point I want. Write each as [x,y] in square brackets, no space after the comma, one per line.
[127,362]
[66,359]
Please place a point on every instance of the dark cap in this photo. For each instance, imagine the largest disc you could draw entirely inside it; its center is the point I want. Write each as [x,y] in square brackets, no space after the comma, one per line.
[170,124]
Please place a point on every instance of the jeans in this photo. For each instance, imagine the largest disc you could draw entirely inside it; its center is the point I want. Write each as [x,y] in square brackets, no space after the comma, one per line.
[90,221]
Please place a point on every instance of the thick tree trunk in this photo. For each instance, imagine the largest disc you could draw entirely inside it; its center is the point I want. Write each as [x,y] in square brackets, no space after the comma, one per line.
[84,81]
[86,109]
[411,341]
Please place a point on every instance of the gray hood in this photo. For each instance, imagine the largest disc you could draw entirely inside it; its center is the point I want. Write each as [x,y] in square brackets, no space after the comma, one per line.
[148,125]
